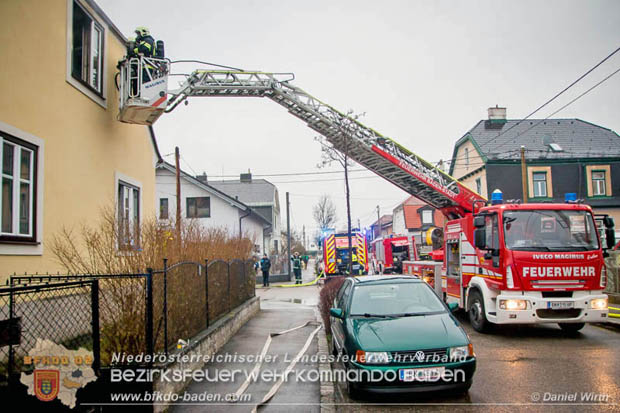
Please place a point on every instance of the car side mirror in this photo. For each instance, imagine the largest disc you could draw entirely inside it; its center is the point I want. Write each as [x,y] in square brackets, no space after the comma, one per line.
[335,312]
[453,306]
[480,238]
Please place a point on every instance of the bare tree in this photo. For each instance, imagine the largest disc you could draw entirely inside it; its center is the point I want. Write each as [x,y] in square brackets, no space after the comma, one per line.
[340,153]
[324,212]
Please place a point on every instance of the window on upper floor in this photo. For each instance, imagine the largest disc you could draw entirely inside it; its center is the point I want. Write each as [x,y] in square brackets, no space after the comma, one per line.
[18,200]
[87,49]
[598,183]
[479,185]
[598,180]
[427,216]
[199,207]
[466,157]
[128,216]
[540,184]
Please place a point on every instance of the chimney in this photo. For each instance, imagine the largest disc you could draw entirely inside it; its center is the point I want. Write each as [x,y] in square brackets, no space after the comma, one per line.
[246,178]
[202,178]
[497,115]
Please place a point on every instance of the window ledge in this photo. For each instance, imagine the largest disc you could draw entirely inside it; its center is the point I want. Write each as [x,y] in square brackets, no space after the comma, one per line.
[16,242]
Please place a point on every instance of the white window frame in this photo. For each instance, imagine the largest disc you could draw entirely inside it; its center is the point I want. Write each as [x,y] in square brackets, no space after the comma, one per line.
[120,179]
[29,247]
[539,185]
[427,216]
[101,97]
[598,184]
[17,181]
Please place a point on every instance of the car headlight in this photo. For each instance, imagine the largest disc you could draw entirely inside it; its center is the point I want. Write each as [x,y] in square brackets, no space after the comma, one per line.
[512,304]
[462,352]
[598,304]
[372,357]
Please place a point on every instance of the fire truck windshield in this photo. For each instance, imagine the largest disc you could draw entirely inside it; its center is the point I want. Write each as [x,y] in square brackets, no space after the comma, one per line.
[550,230]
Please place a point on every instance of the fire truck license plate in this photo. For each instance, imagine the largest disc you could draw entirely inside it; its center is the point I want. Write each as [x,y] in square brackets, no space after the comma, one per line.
[560,305]
[427,374]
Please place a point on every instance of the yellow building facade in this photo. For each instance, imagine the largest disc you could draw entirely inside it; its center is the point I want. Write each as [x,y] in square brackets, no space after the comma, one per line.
[64,155]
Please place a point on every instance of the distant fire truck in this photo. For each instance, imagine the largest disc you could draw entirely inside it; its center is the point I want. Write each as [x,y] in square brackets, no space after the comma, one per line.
[388,254]
[336,253]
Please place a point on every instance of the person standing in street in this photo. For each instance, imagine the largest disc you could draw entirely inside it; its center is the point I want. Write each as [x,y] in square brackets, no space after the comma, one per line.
[265,265]
[297,267]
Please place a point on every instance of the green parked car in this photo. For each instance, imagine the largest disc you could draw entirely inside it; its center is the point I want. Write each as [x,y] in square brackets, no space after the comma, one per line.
[395,335]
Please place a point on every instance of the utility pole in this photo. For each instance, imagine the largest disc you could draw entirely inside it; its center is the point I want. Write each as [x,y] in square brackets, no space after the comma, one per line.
[288,237]
[523,174]
[378,223]
[178,179]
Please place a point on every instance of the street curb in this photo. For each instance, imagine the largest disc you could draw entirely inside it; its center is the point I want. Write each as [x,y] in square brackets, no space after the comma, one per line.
[327,387]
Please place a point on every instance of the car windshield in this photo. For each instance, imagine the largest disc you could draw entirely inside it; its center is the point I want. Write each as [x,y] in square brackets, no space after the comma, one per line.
[395,299]
[550,230]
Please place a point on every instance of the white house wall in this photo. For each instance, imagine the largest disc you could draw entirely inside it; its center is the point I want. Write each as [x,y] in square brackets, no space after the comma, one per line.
[223,214]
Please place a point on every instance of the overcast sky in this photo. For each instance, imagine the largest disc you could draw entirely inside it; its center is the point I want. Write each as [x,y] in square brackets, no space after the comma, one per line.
[424,72]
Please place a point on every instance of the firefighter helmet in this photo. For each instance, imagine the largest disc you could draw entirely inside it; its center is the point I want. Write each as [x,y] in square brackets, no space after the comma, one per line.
[142,31]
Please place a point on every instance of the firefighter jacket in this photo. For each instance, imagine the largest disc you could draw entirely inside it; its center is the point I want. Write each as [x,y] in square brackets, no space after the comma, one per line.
[145,45]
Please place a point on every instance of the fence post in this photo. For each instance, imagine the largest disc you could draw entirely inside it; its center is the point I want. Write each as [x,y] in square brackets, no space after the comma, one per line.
[149,311]
[207,289]
[229,308]
[11,349]
[94,301]
[165,306]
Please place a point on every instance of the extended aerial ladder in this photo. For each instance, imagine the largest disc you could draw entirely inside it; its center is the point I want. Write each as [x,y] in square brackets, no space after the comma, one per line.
[367,147]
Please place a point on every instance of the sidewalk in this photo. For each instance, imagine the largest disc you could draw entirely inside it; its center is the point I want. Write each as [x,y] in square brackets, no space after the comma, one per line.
[281,309]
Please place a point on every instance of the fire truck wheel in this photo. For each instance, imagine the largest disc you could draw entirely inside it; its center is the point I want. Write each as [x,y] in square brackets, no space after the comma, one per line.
[571,327]
[475,309]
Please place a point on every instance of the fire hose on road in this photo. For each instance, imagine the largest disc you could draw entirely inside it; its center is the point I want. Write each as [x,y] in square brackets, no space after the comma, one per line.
[289,368]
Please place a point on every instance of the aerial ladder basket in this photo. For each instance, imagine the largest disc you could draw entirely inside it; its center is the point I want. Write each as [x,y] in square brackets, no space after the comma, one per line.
[143,89]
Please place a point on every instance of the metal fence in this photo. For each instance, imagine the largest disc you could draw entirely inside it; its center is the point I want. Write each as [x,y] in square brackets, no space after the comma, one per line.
[118,313]
[65,313]
[189,297]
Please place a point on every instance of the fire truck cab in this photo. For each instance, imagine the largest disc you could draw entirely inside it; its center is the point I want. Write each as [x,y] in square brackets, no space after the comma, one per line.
[526,263]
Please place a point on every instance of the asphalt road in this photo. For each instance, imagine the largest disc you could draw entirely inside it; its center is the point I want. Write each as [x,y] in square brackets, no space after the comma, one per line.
[525,368]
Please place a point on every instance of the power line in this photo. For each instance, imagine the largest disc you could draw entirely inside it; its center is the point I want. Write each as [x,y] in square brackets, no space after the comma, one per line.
[565,106]
[557,95]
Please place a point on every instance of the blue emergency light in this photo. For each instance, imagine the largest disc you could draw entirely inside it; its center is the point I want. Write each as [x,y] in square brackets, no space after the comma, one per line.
[497,197]
[570,197]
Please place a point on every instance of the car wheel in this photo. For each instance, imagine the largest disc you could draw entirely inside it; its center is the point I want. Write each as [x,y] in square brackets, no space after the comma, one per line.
[571,327]
[476,312]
